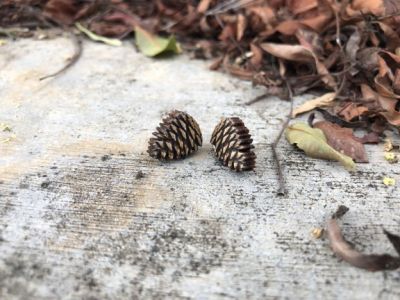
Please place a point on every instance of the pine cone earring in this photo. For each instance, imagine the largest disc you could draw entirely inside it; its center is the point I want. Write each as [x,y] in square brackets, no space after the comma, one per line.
[177,136]
[233,144]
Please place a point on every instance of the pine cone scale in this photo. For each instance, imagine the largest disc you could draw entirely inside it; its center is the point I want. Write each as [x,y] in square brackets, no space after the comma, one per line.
[233,144]
[177,136]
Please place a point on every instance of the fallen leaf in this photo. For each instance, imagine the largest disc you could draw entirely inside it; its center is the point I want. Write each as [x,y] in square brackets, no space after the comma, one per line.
[370,262]
[152,45]
[317,233]
[314,143]
[324,100]
[396,82]
[369,138]
[343,140]
[4,127]
[241,26]
[391,157]
[352,111]
[8,139]
[388,181]
[375,7]
[62,11]
[383,80]
[301,6]
[392,37]
[216,63]
[256,59]
[386,103]
[227,33]
[203,6]
[98,38]
[388,145]
[289,52]
[299,53]
[353,45]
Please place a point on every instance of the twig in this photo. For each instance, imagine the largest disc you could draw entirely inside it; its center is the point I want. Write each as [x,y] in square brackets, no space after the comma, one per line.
[256,99]
[230,5]
[282,182]
[77,54]
[342,123]
[337,22]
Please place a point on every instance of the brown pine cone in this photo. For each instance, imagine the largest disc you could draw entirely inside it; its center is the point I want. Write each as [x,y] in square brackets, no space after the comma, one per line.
[177,136]
[233,144]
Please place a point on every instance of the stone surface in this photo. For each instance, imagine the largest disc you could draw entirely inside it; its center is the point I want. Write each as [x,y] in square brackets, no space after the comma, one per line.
[86,214]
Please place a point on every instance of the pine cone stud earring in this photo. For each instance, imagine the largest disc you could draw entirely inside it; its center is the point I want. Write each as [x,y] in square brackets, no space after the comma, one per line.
[233,144]
[178,136]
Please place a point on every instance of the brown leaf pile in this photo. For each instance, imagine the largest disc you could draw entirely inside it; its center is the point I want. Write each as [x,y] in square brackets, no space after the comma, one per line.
[348,47]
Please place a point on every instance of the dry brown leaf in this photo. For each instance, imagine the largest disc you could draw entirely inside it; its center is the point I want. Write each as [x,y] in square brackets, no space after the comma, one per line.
[383,80]
[352,111]
[265,13]
[240,26]
[370,138]
[343,140]
[396,82]
[256,59]
[375,7]
[62,11]
[203,6]
[370,262]
[289,52]
[392,37]
[387,104]
[368,59]
[216,63]
[322,101]
[301,6]
[301,54]
[315,19]
[353,45]
[311,40]
[227,33]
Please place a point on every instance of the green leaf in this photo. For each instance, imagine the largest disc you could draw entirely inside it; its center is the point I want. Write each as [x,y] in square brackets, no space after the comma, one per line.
[313,142]
[98,38]
[153,45]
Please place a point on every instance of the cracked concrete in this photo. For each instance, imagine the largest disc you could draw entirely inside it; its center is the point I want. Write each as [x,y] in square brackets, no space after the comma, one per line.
[78,222]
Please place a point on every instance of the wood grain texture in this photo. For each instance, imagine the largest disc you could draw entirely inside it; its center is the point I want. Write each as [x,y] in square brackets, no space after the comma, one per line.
[77,222]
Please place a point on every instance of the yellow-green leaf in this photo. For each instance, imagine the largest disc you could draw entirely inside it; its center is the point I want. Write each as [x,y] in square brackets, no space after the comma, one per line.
[313,142]
[388,181]
[98,38]
[153,45]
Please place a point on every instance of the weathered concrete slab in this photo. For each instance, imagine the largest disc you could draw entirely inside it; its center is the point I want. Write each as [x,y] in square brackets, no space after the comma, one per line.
[76,222]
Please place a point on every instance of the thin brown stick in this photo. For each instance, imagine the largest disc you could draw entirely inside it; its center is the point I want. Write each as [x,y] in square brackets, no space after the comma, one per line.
[256,99]
[72,61]
[337,23]
[282,181]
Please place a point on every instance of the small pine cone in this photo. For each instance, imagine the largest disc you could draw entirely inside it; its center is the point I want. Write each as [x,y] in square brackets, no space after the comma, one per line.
[233,144]
[177,136]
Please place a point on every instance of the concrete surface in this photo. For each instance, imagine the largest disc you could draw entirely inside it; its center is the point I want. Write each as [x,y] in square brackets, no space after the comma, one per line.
[76,222]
